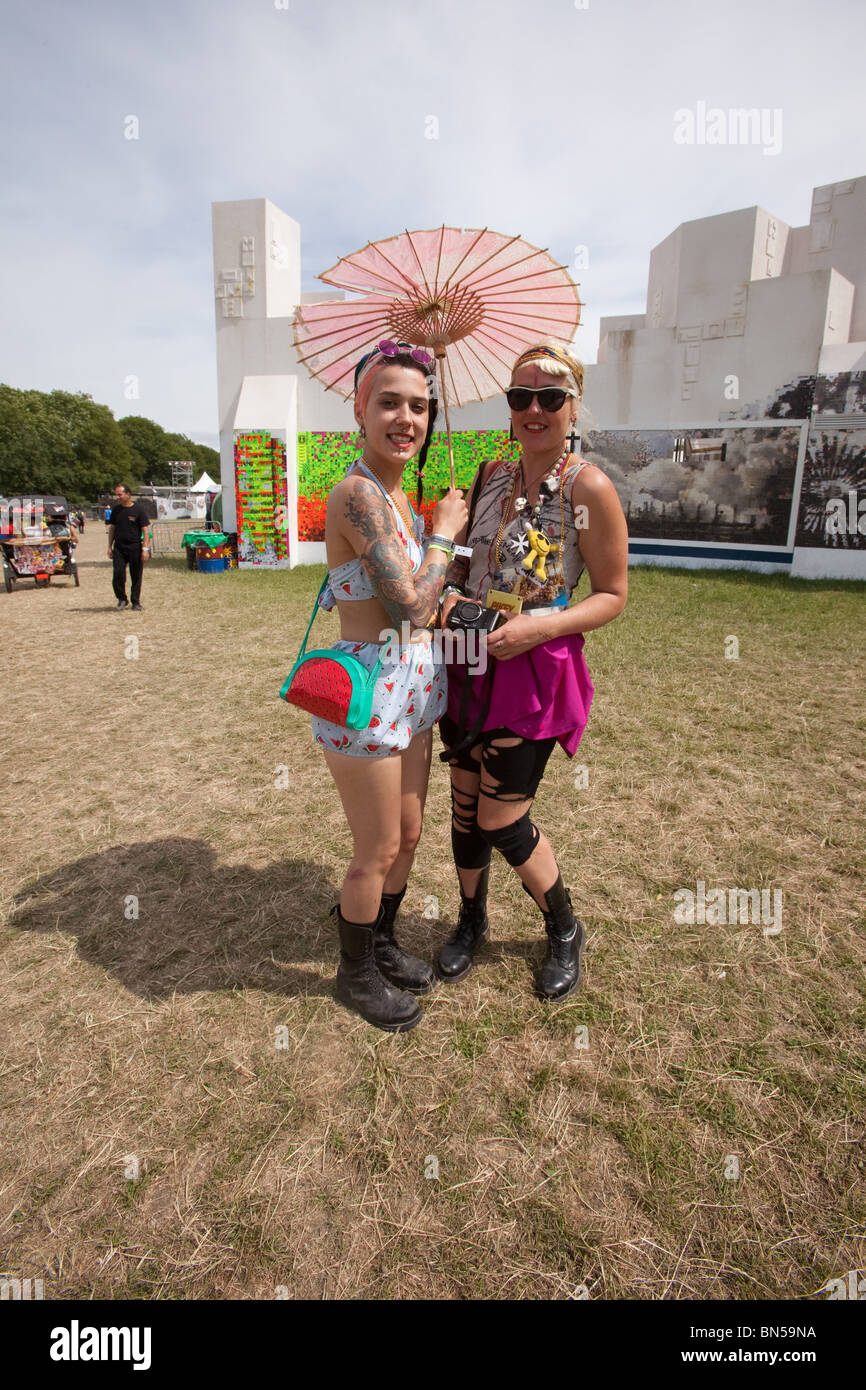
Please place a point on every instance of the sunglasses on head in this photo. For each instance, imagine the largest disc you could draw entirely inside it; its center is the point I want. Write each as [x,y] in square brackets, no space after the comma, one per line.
[386,348]
[389,349]
[550,398]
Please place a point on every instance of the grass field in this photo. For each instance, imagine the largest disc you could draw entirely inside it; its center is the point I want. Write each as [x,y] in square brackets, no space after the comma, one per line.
[188,1113]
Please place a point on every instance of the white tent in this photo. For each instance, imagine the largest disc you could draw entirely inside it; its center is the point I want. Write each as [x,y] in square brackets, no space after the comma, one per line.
[206,484]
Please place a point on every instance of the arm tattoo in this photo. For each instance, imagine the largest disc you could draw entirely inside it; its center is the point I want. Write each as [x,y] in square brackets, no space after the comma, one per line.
[368,513]
[458,571]
[402,594]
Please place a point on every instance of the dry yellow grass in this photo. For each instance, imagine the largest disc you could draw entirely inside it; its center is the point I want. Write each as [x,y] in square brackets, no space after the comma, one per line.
[154,1040]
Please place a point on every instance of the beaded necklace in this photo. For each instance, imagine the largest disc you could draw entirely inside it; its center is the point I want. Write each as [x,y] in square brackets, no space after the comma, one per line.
[536,511]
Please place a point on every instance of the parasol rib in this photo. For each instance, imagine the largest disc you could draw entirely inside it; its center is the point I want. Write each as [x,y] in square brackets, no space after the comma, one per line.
[469,283]
[518,279]
[329,279]
[500,270]
[407,283]
[355,327]
[501,360]
[351,335]
[430,293]
[501,316]
[468,252]
[439,257]
[458,348]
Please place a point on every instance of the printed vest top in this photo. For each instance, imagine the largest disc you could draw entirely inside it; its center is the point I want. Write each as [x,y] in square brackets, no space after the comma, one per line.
[483,570]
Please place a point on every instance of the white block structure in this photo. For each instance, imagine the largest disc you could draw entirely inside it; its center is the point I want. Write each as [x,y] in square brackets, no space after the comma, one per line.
[738,305]
[261,386]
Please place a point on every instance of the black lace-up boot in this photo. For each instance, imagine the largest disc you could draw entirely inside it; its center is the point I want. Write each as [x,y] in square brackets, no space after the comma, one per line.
[456,956]
[560,972]
[361,986]
[396,964]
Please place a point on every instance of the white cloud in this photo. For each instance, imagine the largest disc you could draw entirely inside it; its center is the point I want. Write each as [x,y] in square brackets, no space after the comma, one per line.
[554,123]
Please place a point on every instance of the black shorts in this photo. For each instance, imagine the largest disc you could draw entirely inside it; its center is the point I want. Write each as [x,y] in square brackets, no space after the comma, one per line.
[515,768]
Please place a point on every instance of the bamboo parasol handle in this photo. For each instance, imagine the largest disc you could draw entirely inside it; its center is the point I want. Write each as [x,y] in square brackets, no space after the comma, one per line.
[440,354]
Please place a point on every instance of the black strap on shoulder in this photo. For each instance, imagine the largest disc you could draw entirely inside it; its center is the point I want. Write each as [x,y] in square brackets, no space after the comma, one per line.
[467,738]
[477,491]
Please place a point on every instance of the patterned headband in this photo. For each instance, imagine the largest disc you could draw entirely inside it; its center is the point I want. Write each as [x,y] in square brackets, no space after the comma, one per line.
[531,354]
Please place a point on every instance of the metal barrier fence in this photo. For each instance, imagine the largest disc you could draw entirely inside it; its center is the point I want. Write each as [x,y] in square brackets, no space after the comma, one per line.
[166,536]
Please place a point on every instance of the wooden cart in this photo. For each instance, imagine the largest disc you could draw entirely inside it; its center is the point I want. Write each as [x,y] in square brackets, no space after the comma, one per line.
[40,560]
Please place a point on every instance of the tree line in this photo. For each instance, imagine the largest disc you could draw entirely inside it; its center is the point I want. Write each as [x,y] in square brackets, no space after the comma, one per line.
[59,442]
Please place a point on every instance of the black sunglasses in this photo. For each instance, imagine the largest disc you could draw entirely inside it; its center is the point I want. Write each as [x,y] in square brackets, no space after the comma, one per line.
[550,398]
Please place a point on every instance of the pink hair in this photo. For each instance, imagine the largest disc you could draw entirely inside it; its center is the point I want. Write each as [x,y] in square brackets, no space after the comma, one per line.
[362,395]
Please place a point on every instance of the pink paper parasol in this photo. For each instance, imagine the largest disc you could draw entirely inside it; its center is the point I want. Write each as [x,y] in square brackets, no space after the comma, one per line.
[475,298]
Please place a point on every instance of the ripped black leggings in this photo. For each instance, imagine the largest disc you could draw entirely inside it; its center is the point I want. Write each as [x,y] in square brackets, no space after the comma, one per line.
[510,768]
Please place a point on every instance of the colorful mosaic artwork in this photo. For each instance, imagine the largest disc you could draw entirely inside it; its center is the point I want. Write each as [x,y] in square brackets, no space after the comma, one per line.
[260,483]
[323,459]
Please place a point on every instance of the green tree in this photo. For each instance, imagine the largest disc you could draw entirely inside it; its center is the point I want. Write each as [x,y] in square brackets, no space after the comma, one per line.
[147,440]
[158,449]
[25,447]
[66,443]
[92,451]
[59,442]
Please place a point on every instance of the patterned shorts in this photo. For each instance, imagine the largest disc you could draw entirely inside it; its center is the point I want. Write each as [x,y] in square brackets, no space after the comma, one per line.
[410,694]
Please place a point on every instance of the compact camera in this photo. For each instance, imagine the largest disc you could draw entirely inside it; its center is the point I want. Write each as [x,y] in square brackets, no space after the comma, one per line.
[471,616]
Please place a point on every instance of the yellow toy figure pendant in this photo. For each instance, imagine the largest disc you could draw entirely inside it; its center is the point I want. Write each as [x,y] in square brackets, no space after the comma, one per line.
[540,548]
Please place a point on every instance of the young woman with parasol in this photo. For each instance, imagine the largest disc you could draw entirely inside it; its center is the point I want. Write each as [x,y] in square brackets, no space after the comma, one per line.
[382,572]
[475,298]
[535,525]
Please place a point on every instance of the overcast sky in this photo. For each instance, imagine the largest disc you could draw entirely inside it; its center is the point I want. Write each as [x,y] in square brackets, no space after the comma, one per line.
[554,122]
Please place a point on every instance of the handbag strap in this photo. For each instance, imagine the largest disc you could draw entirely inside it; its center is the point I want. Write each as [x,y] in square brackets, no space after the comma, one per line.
[373,675]
[313,616]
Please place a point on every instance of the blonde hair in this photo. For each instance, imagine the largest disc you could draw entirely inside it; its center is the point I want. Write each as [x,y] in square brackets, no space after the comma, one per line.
[554,358]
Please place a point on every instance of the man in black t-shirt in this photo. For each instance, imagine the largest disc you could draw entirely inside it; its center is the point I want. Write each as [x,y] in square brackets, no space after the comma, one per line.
[128,544]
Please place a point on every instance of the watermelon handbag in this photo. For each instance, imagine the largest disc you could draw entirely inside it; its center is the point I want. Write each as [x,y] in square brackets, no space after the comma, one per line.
[336,686]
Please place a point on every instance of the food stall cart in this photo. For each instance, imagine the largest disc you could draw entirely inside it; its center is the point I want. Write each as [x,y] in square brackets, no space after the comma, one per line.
[38,550]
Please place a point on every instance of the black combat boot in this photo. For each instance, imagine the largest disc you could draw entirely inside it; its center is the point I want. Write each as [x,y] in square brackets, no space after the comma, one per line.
[361,987]
[408,972]
[560,972]
[455,958]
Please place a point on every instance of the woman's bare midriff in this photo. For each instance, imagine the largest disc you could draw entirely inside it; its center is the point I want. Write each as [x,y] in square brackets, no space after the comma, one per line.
[361,620]
[364,620]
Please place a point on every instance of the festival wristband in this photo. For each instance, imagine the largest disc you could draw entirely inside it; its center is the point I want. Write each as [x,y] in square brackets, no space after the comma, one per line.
[434,545]
[463,552]
[447,591]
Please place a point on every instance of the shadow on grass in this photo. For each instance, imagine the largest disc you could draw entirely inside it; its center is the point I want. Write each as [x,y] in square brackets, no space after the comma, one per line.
[164,916]
[201,925]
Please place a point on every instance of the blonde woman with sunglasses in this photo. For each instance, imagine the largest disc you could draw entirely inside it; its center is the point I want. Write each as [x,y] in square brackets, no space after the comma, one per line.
[536,524]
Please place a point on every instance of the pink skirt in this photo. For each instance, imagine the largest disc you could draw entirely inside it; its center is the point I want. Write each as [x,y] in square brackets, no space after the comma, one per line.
[543,693]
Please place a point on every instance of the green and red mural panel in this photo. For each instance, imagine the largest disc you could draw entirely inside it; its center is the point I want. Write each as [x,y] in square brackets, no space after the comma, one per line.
[323,459]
